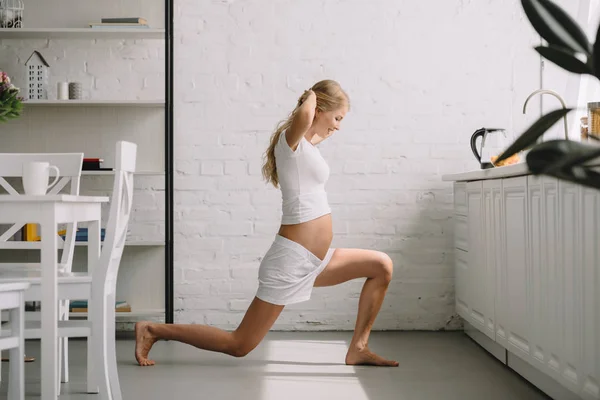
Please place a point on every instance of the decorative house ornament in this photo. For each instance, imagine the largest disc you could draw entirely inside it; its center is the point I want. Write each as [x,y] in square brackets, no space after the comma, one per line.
[37,77]
[11,13]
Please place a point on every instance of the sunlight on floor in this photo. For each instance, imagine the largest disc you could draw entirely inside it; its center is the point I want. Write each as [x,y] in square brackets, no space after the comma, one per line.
[291,364]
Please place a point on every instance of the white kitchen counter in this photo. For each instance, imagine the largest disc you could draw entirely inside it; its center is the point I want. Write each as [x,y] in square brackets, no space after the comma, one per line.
[492,173]
[526,275]
[508,171]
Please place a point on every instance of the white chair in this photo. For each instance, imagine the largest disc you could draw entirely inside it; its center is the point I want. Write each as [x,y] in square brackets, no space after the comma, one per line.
[69,165]
[12,298]
[97,285]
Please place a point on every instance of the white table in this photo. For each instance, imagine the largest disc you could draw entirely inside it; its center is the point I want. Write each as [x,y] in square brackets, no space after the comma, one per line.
[48,211]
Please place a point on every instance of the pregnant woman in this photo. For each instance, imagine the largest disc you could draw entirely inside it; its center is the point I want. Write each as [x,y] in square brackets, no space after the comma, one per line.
[300,257]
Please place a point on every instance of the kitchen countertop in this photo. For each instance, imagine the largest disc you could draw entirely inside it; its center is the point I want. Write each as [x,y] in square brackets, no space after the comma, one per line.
[492,173]
[508,171]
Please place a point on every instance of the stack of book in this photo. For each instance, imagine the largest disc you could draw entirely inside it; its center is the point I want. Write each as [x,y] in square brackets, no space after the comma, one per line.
[82,306]
[93,164]
[125,22]
[82,234]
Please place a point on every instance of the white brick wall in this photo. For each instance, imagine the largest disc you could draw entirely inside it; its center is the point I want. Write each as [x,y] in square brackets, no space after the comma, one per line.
[421,77]
[107,69]
[421,80]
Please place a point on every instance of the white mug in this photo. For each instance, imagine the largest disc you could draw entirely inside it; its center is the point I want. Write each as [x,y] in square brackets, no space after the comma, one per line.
[35,177]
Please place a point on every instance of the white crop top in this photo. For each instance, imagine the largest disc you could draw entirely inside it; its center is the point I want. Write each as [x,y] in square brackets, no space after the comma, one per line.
[302,177]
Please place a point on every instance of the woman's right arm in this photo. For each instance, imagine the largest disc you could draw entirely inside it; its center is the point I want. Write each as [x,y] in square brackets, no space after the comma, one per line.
[303,119]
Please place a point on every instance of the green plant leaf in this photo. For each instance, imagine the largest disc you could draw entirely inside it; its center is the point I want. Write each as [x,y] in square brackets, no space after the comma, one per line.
[543,155]
[596,58]
[556,26]
[532,134]
[575,158]
[564,59]
[556,155]
[579,175]
[563,159]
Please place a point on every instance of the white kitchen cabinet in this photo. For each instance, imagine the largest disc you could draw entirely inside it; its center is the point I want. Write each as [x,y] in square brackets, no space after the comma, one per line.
[476,256]
[492,211]
[495,246]
[542,202]
[462,284]
[528,276]
[549,333]
[515,267]
[590,257]
[461,239]
[569,281]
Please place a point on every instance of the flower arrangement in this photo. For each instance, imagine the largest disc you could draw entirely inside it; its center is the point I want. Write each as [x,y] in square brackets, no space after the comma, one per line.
[10,101]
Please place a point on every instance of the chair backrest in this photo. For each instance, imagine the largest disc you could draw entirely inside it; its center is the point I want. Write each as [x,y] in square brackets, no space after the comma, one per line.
[69,165]
[104,274]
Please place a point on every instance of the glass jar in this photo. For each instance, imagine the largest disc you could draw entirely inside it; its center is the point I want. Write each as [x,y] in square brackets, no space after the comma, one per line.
[594,119]
[583,126]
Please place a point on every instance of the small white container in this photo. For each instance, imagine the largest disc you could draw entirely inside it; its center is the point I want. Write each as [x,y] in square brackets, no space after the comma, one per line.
[62,91]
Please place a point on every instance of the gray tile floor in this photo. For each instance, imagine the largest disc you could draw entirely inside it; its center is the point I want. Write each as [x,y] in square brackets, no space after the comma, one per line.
[290,366]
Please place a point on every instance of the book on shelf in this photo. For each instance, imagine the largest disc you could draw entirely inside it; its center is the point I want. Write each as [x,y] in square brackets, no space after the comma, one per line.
[92,164]
[82,306]
[124,20]
[99,27]
[30,233]
[82,234]
[135,25]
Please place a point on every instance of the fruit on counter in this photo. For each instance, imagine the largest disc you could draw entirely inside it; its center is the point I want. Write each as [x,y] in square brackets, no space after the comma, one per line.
[509,161]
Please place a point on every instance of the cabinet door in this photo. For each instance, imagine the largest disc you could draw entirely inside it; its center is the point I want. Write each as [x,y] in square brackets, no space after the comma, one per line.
[552,325]
[484,306]
[501,285]
[476,254]
[460,198]
[461,283]
[539,272]
[515,267]
[461,270]
[591,295]
[569,284]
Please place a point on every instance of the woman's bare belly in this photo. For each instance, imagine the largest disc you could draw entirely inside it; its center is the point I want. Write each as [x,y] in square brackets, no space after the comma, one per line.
[315,235]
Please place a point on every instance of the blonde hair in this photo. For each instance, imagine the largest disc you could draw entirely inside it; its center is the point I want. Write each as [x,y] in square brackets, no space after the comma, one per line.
[330,96]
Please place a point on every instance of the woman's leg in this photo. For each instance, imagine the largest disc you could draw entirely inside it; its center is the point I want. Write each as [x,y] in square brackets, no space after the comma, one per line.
[258,320]
[377,267]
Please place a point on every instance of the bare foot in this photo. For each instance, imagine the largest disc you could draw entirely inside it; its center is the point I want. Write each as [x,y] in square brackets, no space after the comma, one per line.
[143,343]
[366,357]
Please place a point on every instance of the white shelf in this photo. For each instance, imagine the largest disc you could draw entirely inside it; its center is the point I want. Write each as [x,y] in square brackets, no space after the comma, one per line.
[82,33]
[137,313]
[144,313]
[137,243]
[93,103]
[144,173]
[17,245]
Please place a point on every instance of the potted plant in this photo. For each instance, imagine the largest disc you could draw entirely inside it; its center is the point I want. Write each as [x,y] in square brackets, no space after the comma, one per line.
[569,48]
[10,101]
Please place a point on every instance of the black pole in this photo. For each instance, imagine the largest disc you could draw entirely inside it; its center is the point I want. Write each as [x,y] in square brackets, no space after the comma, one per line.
[169,165]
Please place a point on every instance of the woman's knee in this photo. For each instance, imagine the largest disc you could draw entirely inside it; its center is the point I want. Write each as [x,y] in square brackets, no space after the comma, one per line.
[385,267]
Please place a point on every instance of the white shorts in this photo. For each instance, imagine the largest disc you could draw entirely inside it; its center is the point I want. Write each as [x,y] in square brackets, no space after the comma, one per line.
[288,271]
